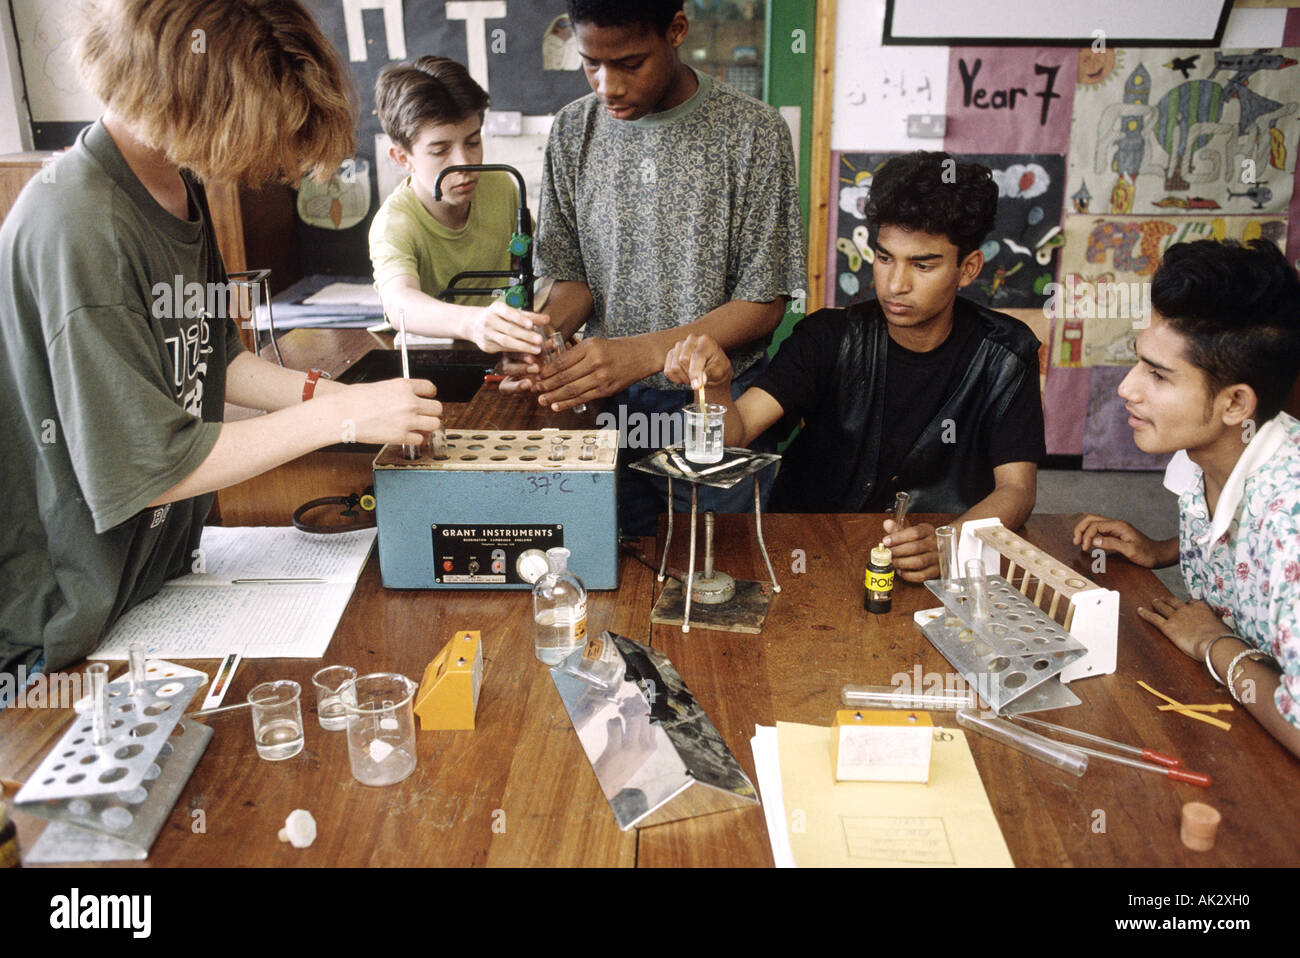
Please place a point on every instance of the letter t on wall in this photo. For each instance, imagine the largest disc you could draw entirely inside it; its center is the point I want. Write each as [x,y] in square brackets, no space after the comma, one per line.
[476,14]
[394,28]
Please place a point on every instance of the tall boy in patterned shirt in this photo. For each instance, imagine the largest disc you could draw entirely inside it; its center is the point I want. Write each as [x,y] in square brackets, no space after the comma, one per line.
[1215,368]
[669,207]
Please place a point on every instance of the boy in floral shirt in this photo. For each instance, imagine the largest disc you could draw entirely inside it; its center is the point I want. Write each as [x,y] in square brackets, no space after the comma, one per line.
[1215,367]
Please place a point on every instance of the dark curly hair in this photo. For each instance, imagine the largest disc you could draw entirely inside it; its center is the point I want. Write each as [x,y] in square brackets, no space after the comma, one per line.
[654,14]
[1238,308]
[934,193]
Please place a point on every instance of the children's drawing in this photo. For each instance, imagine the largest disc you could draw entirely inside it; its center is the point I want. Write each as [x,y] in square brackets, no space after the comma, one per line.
[1103,298]
[340,202]
[1185,130]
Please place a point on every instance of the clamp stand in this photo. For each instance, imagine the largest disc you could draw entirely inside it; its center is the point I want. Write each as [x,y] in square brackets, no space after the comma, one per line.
[726,604]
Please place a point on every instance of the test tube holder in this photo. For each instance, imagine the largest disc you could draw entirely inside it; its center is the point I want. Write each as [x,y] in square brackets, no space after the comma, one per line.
[1019,655]
[108,802]
[746,609]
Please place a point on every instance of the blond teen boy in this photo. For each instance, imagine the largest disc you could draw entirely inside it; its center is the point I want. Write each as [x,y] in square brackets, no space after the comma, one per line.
[432,110]
[110,402]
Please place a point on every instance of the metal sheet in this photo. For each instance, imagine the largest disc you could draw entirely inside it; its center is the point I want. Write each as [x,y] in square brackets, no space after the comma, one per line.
[657,756]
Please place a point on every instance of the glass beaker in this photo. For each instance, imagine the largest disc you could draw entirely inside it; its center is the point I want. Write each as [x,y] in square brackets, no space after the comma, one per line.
[329,706]
[704,432]
[381,727]
[277,719]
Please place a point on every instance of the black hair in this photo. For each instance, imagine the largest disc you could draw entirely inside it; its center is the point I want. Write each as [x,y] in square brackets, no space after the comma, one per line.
[652,14]
[934,193]
[1238,308]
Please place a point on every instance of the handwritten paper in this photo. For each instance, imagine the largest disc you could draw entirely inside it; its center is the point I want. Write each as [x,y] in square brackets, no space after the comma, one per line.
[206,615]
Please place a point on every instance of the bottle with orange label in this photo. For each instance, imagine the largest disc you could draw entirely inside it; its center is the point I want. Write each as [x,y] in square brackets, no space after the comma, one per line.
[879,580]
[559,610]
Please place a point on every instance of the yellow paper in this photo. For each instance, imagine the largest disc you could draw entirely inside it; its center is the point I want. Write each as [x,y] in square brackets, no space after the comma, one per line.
[887,824]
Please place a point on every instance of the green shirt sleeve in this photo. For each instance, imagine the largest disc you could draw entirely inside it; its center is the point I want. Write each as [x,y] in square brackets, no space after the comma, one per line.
[124,411]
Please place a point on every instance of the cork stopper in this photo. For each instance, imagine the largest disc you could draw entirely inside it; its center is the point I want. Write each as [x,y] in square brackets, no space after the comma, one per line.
[1200,822]
[880,556]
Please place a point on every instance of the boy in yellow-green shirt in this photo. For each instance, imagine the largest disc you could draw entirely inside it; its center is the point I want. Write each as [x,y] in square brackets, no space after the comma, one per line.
[432,110]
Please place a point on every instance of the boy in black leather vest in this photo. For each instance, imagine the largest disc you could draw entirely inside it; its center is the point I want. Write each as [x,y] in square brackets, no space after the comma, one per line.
[916,391]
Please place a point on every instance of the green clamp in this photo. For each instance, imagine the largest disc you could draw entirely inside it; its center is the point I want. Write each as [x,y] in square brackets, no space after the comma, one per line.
[520,243]
[517,297]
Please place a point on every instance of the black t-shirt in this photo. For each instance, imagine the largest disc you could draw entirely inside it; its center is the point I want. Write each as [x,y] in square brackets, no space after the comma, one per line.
[801,375]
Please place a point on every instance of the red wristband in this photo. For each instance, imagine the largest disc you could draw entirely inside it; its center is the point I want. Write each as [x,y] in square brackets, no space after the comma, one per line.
[309,387]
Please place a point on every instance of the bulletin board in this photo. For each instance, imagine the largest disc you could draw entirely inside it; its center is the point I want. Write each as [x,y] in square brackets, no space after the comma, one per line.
[1139,147]
[1019,254]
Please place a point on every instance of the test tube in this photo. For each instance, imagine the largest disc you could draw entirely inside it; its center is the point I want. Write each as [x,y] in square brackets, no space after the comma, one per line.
[551,350]
[948,572]
[98,674]
[139,661]
[889,697]
[977,588]
[557,449]
[588,453]
[409,450]
[1064,757]
[902,502]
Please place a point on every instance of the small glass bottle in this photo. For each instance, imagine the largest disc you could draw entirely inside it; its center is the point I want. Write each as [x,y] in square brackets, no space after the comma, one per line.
[559,610]
[879,581]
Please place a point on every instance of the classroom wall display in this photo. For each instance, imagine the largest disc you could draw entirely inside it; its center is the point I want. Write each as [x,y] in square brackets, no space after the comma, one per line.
[877,87]
[1103,297]
[1107,438]
[1167,131]
[46,34]
[1065,404]
[1019,255]
[339,203]
[1018,98]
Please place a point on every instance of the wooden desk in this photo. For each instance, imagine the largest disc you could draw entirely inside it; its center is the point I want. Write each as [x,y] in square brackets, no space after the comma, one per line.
[519,791]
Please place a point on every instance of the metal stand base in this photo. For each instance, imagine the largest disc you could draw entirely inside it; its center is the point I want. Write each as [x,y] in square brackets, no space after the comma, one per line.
[685,619]
[744,612]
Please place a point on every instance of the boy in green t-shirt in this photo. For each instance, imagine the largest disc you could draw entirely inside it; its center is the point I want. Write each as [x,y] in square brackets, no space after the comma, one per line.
[432,110]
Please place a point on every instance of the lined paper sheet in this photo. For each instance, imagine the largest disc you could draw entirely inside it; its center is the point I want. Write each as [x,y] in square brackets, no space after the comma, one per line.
[206,616]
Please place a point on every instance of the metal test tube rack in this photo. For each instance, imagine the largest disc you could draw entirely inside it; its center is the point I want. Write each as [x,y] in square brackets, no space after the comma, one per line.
[1018,654]
[107,801]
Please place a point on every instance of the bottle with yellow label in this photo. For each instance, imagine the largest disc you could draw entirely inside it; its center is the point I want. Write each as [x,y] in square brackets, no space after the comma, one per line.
[559,610]
[879,581]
